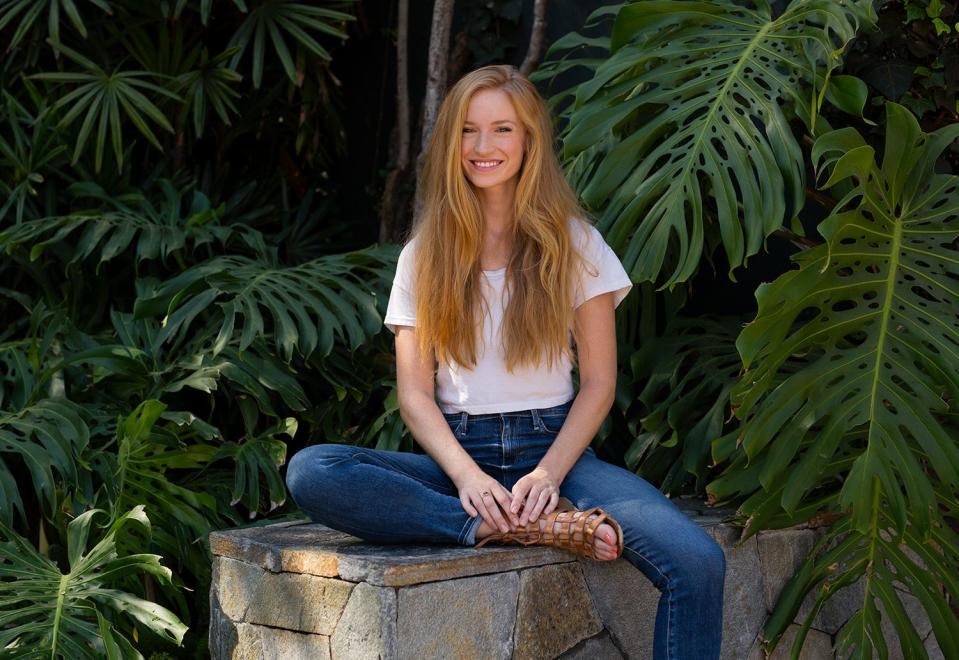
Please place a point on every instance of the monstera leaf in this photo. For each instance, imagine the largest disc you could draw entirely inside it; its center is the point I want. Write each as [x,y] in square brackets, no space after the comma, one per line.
[682,137]
[685,378]
[49,437]
[311,306]
[148,455]
[171,219]
[868,425]
[48,613]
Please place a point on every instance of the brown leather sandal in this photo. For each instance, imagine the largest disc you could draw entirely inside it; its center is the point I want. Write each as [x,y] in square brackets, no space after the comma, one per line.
[566,527]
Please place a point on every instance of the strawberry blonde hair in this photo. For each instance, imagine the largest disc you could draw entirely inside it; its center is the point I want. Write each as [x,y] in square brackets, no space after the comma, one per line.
[544,265]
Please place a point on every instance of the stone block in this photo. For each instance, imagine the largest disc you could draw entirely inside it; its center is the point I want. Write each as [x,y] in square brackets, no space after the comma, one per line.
[367,627]
[932,648]
[915,613]
[263,643]
[223,635]
[554,611]
[594,648]
[303,603]
[744,606]
[461,619]
[836,611]
[816,646]
[781,552]
[626,602]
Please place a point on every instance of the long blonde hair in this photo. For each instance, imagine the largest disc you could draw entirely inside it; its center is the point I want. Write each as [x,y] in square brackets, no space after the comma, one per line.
[544,264]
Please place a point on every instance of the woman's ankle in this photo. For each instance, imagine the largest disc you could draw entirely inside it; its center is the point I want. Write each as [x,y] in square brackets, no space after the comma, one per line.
[483,531]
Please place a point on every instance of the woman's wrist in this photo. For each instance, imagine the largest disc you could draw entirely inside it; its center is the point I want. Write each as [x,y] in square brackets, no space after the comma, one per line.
[464,472]
[554,472]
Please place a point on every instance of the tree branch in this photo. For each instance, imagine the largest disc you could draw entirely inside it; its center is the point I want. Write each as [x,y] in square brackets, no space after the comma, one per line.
[537,39]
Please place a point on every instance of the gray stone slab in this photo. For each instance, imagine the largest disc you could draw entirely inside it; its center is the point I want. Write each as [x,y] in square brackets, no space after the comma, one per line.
[263,643]
[744,607]
[932,648]
[302,603]
[837,610]
[594,648]
[461,619]
[816,646]
[554,612]
[317,550]
[626,602]
[916,614]
[223,635]
[781,552]
[367,627]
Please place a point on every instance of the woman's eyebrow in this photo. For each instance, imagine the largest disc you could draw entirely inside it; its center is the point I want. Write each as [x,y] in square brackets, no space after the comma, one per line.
[498,121]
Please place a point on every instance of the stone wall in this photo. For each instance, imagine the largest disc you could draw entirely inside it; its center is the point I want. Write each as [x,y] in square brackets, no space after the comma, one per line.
[298,590]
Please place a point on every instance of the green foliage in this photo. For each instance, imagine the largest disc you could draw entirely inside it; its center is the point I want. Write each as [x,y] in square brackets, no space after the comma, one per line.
[688,117]
[49,437]
[24,14]
[46,612]
[103,96]
[296,20]
[872,316]
[838,403]
[170,321]
[684,378]
[310,305]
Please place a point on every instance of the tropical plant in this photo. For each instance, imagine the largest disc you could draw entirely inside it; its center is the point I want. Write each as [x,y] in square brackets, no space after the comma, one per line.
[47,612]
[687,119]
[168,327]
[839,402]
[873,313]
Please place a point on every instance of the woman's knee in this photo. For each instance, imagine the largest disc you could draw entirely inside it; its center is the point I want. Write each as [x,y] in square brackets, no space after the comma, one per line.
[713,560]
[309,469]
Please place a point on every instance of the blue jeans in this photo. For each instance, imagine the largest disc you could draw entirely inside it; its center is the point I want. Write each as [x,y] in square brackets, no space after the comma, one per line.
[395,497]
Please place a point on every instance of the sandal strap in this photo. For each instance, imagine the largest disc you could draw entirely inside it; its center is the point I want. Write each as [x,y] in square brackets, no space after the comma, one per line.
[569,529]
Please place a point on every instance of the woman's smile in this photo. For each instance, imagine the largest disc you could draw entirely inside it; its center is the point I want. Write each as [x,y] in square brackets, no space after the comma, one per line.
[486,165]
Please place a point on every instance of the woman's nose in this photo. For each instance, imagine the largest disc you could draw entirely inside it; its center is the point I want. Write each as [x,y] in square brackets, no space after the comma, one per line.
[482,143]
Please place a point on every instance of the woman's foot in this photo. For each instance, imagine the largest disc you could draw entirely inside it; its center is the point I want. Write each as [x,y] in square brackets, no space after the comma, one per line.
[604,547]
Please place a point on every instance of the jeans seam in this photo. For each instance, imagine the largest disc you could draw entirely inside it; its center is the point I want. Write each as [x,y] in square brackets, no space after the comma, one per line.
[426,482]
[669,608]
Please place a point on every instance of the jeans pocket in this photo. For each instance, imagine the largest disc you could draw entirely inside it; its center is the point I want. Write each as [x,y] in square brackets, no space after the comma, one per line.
[552,423]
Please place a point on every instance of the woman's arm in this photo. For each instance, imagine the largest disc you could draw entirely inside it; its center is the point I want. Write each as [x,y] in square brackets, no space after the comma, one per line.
[418,410]
[596,351]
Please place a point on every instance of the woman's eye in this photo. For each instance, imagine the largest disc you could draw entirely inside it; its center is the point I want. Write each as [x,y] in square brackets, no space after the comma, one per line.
[504,129]
[467,130]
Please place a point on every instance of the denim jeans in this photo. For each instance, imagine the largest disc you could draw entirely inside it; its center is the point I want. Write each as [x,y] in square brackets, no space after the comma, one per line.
[396,497]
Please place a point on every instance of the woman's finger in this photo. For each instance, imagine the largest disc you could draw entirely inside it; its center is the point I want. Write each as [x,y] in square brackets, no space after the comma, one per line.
[530,503]
[551,504]
[483,512]
[503,498]
[493,515]
[540,503]
[468,506]
[520,491]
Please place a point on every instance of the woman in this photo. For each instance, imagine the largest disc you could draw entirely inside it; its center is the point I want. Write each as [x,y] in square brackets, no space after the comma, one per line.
[500,275]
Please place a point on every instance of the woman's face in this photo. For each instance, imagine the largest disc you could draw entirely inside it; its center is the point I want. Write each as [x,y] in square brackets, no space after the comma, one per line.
[493,140]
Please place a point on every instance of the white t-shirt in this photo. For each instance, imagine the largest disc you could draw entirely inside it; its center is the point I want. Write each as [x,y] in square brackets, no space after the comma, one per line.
[489,387]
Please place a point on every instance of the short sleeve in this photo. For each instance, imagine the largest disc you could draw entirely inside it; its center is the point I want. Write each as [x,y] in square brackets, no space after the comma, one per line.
[401,308]
[603,271]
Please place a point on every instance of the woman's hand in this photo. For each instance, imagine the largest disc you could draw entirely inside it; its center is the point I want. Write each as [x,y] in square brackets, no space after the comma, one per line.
[535,494]
[481,494]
